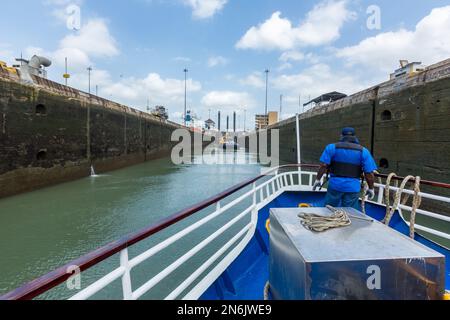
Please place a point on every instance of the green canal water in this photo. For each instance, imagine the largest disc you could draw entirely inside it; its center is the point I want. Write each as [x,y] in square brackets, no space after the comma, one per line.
[45,229]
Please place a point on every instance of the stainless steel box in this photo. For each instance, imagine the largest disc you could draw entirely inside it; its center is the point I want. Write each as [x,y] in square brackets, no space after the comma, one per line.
[366,260]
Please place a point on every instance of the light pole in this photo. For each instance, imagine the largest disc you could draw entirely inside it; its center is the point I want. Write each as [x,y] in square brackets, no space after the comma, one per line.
[267,89]
[66,74]
[245,119]
[281,106]
[299,103]
[89,77]
[185,94]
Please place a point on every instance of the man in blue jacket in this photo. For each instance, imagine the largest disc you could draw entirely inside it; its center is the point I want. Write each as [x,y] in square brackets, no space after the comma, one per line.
[346,161]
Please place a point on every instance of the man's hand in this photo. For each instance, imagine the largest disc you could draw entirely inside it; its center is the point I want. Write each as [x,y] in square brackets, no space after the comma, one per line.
[370,193]
[317,185]
[323,169]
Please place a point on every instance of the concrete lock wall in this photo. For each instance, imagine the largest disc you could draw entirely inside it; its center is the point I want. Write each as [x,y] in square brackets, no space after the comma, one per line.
[405,123]
[48,137]
[407,131]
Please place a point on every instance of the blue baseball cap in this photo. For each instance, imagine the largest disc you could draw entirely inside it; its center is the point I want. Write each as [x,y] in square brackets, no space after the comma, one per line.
[348,132]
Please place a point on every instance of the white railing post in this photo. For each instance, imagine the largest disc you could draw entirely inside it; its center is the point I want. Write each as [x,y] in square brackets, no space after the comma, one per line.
[380,194]
[126,278]
[254,194]
[299,146]
[218,206]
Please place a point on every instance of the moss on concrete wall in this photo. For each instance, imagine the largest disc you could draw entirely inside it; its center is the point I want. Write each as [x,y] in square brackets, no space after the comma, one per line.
[46,138]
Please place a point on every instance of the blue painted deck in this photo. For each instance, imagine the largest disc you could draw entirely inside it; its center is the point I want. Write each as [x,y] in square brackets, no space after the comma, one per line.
[247,276]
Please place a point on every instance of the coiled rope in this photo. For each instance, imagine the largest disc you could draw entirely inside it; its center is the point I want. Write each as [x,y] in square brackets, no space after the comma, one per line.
[267,291]
[417,201]
[390,210]
[387,199]
[318,223]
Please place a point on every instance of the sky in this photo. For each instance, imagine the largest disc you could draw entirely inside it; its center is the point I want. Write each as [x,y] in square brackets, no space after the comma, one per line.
[138,49]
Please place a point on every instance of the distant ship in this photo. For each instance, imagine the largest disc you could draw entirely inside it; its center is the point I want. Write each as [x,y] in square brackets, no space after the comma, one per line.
[229,144]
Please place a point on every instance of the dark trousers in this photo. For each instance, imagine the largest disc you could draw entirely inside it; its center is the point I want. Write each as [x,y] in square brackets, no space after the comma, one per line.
[342,199]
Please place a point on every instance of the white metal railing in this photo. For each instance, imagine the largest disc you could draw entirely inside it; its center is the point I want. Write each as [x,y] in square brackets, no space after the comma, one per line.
[441,217]
[261,195]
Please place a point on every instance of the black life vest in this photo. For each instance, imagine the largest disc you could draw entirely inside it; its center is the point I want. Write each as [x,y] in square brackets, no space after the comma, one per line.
[347,169]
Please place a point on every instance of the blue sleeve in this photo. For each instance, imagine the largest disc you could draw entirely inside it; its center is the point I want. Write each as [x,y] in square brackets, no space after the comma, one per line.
[368,164]
[328,154]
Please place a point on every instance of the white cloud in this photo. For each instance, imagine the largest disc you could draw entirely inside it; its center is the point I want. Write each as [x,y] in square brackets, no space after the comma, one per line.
[321,26]
[275,33]
[77,59]
[94,39]
[217,61]
[135,91]
[227,100]
[288,58]
[253,80]
[162,91]
[31,51]
[429,43]
[292,56]
[202,9]
[60,8]
[317,80]
[284,66]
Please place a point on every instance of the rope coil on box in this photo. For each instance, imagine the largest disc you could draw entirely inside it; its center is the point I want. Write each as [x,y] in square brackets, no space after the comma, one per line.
[318,223]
